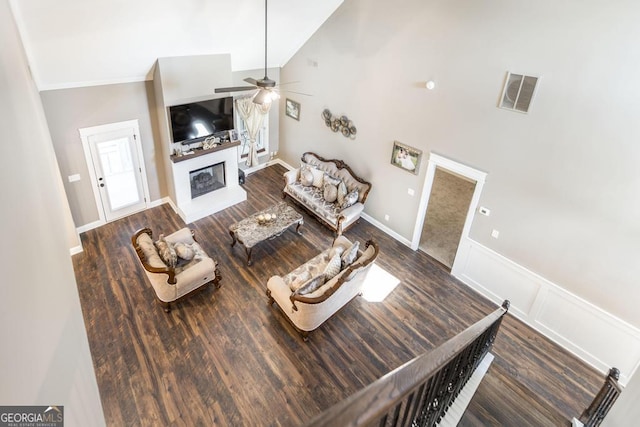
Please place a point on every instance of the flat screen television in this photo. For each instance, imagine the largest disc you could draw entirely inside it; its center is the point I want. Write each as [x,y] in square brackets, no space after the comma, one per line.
[196,121]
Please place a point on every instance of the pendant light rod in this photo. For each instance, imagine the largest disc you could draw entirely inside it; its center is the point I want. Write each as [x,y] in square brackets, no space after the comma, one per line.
[265,40]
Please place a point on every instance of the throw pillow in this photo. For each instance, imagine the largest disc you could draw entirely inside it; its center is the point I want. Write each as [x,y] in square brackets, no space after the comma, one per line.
[330,193]
[336,250]
[184,251]
[333,267]
[306,177]
[331,179]
[295,280]
[342,193]
[311,285]
[350,255]
[318,177]
[350,199]
[166,252]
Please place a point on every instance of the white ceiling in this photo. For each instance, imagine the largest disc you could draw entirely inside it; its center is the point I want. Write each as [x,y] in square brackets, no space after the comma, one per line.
[72,43]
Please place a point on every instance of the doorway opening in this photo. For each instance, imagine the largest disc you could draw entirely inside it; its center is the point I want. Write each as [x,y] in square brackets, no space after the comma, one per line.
[447,211]
[113,153]
[436,225]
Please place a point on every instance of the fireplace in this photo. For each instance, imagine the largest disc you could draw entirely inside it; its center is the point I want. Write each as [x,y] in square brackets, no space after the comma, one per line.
[207,179]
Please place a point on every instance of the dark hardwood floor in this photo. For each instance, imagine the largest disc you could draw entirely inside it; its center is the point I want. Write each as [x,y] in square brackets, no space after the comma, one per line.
[225,357]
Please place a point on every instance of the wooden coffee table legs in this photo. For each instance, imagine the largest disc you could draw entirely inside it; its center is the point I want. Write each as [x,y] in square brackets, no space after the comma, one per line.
[247,250]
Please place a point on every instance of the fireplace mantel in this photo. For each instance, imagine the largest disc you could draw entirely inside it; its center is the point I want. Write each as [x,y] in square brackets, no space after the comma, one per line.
[192,209]
[200,152]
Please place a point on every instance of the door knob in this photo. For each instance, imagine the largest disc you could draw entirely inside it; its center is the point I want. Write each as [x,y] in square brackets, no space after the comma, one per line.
[101,184]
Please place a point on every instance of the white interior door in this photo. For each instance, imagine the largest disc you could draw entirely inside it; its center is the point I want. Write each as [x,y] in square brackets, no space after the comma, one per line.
[116,169]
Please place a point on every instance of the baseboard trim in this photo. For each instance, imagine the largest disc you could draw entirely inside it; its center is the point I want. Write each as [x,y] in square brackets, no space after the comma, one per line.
[385,229]
[76,250]
[597,337]
[100,223]
[90,226]
[252,169]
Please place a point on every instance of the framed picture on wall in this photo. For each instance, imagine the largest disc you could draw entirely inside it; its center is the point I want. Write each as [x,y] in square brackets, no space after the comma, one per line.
[405,157]
[292,109]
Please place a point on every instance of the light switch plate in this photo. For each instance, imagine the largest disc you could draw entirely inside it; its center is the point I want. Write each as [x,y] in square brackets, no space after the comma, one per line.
[74,178]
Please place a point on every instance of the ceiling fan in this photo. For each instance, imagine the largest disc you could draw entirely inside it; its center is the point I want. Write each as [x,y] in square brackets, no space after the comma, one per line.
[265,86]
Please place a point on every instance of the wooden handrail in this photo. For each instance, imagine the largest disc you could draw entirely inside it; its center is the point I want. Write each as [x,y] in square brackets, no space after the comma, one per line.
[419,392]
[604,400]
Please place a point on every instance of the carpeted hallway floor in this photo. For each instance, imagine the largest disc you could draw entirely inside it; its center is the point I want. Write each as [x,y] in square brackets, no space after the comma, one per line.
[447,211]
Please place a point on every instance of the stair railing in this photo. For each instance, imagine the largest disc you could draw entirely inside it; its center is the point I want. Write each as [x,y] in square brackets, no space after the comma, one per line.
[419,392]
[604,400]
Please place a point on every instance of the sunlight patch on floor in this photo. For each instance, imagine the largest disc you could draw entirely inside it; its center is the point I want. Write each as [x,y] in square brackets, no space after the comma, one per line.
[378,284]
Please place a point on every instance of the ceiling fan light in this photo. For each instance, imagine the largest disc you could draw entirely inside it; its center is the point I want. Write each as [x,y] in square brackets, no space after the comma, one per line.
[265,96]
[262,97]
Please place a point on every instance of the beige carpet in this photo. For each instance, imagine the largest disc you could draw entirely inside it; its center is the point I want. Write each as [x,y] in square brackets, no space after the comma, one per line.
[447,211]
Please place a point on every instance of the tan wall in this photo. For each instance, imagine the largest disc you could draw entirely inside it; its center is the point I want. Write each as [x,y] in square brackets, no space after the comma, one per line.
[69,110]
[562,180]
[45,352]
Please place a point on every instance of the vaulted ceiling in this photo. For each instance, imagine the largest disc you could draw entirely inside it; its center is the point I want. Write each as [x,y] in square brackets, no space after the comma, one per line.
[71,43]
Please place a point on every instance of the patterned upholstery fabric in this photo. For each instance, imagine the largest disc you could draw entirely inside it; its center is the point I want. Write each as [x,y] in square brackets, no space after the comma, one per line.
[311,285]
[330,193]
[333,267]
[312,268]
[350,255]
[350,199]
[341,174]
[166,252]
[306,177]
[318,177]
[342,193]
[332,214]
[328,179]
[198,255]
[150,252]
[314,198]
[184,251]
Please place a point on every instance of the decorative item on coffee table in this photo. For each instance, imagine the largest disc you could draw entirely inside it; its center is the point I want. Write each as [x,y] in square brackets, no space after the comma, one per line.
[264,225]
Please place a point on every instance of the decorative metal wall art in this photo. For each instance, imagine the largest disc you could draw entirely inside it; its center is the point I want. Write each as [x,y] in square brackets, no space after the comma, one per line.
[341,124]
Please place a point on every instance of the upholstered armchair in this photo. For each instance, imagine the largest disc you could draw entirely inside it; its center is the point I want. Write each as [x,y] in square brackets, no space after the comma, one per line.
[176,265]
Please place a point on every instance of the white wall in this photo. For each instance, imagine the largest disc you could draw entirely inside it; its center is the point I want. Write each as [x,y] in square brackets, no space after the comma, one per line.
[44,357]
[562,181]
[74,44]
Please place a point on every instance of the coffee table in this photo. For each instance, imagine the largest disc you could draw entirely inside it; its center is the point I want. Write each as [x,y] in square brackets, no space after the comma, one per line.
[250,232]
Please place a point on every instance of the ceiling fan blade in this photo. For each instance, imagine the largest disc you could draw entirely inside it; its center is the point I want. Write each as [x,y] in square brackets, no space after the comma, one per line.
[251,81]
[288,83]
[233,89]
[297,93]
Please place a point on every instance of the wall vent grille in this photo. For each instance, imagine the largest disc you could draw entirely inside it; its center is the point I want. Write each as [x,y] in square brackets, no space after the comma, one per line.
[518,92]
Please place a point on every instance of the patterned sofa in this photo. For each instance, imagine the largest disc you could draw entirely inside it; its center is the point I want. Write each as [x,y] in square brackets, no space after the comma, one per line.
[328,189]
[313,292]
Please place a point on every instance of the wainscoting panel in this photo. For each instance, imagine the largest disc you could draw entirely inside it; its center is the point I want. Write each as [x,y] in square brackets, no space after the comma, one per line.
[595,336]
[493,277]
